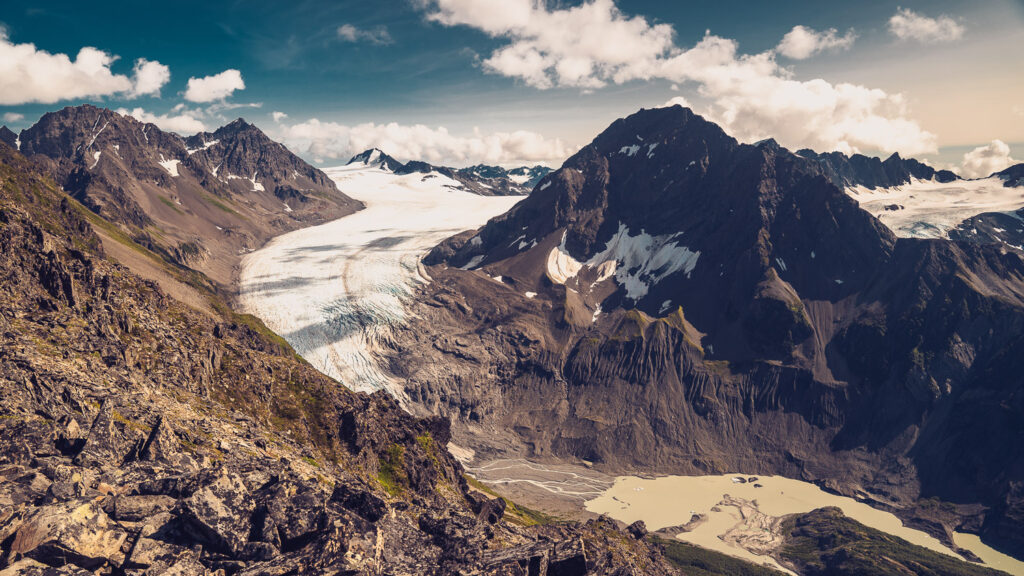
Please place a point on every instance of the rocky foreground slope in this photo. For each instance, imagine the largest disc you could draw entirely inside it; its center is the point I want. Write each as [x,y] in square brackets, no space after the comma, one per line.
[138,436]
[201,201]
[673,300]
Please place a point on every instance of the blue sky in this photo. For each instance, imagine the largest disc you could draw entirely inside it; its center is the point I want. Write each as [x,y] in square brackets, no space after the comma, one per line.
[461,81]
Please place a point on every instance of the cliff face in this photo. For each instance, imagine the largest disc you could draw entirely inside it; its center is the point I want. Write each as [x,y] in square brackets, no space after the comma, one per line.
[138,436]
[670,299]
[201,201]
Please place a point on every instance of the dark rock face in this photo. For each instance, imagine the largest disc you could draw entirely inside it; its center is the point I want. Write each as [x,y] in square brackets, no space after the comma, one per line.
[7,136]
[674,300]
[860,170]
[1012,176]
[482,179]
[140,437]
[200,201]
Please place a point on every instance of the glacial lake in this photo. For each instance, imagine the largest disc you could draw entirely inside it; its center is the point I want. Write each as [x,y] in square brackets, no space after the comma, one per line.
[672,501]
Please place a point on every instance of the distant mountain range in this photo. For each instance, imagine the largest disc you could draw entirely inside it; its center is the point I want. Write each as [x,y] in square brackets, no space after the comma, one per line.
[480,179]
[203,201]
[670,299]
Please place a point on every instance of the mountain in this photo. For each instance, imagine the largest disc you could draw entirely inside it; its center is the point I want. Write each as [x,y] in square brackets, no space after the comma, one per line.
[202,201]
[7,136]
[524,178]
[1013,177]
[141,437]
[872,172]
[671,300]
[376,158]
[480,179]
[528,176]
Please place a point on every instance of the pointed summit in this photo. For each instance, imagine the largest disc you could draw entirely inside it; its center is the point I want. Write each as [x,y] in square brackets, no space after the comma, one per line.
[7,136]
[376,158]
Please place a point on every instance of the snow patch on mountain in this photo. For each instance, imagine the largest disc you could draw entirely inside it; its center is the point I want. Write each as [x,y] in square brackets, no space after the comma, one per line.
[636,261]
[205,145]
[170,165]
[561,266]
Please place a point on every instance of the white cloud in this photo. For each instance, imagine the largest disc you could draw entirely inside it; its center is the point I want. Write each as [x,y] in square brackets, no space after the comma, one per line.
[278,116]
[906,24]
[378,35]
[149,77]
[13,117]
[333,141]
[750,95]
[213,88]
[802,42]
[985,160]
[582,46]
[28,74]
[677,101]
[183,122]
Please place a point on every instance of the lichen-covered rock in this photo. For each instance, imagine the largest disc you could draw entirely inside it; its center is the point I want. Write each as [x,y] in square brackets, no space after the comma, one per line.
[221,513]
[79,533]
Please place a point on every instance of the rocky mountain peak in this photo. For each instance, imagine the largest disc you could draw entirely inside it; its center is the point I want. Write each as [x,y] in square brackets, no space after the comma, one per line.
[1012,176]
[682,213]
[376,157]
[213,196]
[7,136]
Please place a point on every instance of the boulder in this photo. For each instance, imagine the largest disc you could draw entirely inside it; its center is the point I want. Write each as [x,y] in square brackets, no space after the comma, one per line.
[110,441]
[637,529]
[70,532]
[297,511]
[360,501]
[151,557]
[139,508]
[221,514]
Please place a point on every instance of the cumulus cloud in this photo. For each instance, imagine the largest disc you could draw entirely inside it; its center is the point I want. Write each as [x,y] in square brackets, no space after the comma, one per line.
[985,160]
[183,122]
[750,95]
[13,117]
[677,101]
[278,116]
[149,77]
[28,74]
[378,35]
[802,42]
[214,88]
[582,46]
[333,141]
[906,24]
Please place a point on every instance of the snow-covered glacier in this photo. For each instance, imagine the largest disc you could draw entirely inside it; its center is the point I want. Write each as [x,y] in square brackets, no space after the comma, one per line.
[334,291]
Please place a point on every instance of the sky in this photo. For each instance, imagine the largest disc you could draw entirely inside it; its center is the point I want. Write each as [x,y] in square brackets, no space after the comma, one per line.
[514,82]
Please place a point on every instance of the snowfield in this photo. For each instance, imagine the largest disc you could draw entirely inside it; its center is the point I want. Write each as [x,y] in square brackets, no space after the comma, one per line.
[335,291]
[929,209]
